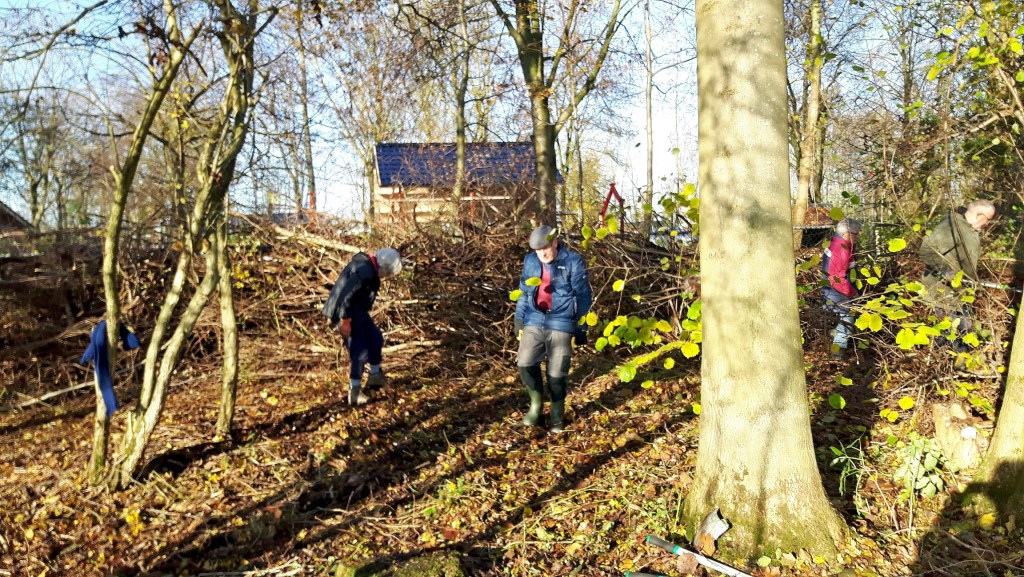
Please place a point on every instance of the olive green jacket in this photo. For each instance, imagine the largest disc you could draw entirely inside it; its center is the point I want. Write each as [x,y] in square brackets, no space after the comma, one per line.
[952,246]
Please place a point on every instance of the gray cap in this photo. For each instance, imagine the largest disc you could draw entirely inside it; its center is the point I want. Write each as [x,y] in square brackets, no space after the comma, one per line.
[851,225]
[542,236]
[389,262]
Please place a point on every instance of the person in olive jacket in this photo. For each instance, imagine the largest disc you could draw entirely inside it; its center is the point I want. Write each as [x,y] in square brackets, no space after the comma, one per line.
[547,321]
[348,307]
[954,245]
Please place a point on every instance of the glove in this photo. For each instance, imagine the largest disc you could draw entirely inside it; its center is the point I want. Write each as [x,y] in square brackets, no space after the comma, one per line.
[519,328]
[345,328]
[579,338]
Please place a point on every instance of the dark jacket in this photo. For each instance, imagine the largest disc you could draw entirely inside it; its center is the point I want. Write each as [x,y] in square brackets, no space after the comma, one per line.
[953,245]
[355,290]
[571,297]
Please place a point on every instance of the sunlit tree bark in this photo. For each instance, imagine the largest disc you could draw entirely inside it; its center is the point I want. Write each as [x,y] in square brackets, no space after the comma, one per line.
[755,459]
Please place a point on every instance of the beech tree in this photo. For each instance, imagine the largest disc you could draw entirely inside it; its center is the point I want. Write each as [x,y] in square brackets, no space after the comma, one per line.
[755,459]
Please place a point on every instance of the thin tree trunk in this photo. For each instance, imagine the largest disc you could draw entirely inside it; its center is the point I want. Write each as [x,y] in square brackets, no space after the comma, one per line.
[307,134]
[124,177]
[756,458]
[648,198]
[809,138]
[100,439]
[215,171]
[229,333]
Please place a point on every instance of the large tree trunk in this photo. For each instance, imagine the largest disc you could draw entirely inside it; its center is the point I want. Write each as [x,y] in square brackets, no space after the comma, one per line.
[999,484]
[809,138]
[755,460]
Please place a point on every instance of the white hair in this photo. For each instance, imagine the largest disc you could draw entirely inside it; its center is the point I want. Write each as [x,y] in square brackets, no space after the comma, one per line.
[389,262]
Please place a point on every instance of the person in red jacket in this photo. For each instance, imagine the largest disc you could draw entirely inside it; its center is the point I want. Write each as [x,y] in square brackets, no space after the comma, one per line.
[836,264]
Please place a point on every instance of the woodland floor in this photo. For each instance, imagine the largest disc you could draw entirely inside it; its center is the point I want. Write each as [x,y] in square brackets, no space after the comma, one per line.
[436,471]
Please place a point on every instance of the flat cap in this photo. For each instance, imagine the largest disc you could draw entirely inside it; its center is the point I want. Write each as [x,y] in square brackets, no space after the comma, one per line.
[542,236]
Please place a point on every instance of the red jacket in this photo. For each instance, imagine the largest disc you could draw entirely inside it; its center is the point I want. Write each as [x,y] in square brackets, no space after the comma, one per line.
[836,264]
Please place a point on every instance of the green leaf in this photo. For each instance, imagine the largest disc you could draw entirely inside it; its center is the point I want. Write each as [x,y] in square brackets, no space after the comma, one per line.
[647,384]
[612,223]
[836,401]
[514,295]
[627,372]
[696,408]
[587,231]
[897,244]
[663,326]
[845,381]
[591,319]
[690,349]
[836,214]
[600,344]
[669,363]
[906,403]
[693,312]
[618,285]
[533,281]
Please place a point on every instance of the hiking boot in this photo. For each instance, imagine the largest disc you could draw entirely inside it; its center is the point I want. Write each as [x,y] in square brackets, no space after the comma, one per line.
[357,398]
[532,416]
[375,381]
[557,416]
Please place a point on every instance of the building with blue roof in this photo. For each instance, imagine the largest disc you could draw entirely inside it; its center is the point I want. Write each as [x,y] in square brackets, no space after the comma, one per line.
[416,181]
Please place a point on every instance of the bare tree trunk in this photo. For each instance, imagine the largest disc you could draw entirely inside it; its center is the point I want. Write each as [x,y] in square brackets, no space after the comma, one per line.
[756,458]
[215,171]
[648,197]
[461,89]
[229,333]
[809,138]
[124,177]
[307,134]
[100,439]
[526,27]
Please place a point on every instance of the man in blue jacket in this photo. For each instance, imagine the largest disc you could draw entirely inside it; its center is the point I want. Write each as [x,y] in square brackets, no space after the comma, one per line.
[348,307]
[556,294]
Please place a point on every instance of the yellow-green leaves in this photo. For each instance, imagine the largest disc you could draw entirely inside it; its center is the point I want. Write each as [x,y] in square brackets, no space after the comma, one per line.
[690,349]
[837,402]
[897,244]
[869,320]
[669,363]
[906,403]
[618,285]
[533,281]
[836,214]
[591,319]
[514,295]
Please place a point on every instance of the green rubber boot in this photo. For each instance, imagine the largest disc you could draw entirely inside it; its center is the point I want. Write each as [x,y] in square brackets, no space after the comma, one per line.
[557,416]
[532,416]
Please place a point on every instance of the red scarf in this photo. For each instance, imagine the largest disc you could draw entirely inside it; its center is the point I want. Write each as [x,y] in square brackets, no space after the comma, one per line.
[544,290]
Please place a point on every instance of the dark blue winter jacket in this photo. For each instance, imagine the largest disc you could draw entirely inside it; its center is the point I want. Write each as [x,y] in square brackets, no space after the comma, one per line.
[571,297]
[355,291]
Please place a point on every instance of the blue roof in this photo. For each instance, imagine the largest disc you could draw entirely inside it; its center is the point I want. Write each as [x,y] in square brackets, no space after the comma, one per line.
[433,164]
